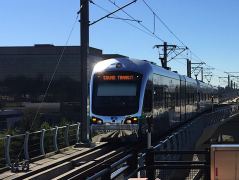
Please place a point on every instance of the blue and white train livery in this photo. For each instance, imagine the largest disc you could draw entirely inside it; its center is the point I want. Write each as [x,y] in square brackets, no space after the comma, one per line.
[125,91]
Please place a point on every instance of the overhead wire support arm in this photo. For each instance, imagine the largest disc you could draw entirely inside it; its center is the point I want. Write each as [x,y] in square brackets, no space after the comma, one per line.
[201,63]
[208,77]
[235,76]
[177,54]
[125,19]
[198,65]
[143,29]
[106,16]
[167,51]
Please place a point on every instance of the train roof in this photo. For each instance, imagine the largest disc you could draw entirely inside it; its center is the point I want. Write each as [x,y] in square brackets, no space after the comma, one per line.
[188,79]
[142,66]
[203,84]
[126,64]
[164,72]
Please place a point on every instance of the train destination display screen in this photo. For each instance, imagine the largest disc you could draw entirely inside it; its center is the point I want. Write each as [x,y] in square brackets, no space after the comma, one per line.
[118,77]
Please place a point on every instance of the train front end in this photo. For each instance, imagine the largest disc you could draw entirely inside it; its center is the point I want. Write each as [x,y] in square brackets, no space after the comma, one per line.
[115,100]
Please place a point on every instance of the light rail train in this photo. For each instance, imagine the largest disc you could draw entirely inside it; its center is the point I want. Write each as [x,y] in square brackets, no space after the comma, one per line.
[124,91]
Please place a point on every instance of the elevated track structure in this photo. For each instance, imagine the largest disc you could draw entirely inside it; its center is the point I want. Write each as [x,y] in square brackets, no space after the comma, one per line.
[104,159]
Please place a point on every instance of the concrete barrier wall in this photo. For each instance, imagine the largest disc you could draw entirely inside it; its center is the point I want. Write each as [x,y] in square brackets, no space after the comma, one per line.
[187,136]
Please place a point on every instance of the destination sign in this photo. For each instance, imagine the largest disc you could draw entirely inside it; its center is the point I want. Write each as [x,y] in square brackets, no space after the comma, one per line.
[118,77]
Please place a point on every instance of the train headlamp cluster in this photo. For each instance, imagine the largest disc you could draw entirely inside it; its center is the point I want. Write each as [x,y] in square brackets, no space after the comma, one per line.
[131,120]
[128,120]
[95,120]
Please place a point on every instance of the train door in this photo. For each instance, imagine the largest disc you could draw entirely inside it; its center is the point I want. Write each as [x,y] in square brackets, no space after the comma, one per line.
[148,99]
[147,106]
[177,106]
[161,100]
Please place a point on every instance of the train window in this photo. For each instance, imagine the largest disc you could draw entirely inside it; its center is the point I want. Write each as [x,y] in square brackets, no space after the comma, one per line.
[156,96]
[165,100]
[147,107]
[188,98]
[117,89]
[170,98]
[191,98]
[113,96]
[173,99]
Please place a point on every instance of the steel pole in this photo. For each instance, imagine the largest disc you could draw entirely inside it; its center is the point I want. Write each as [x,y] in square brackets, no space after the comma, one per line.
[84,34]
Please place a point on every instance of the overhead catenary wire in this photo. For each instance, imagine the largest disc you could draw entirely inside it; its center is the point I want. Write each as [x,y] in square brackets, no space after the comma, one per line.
[167,27]
[119,8]
[152,33]
[154,27]
[132,25]
[155,15]
[57,65]
[52,76]
[140,23]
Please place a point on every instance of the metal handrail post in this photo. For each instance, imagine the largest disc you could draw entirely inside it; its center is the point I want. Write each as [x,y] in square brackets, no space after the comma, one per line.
[26,140]
[66,135]
[149,161]
[78,133]
[140,165]
[7,142]
[42,141]
[55,139]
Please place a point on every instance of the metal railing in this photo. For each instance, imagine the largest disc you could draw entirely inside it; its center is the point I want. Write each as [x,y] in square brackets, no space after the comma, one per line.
[183,168]
[36,144]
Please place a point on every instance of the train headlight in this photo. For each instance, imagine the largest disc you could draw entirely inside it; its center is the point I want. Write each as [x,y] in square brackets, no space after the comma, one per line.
[131,120]
[99,121]
[128,121]
[95,120]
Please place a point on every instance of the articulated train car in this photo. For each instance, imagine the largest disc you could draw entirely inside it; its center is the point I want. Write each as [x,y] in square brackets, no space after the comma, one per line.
[124,91]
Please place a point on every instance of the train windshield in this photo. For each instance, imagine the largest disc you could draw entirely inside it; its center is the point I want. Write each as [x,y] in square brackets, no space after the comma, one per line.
[116,94]
[116,89]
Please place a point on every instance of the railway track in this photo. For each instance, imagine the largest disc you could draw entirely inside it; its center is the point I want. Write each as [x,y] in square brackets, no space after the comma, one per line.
[80,166]
[94,165]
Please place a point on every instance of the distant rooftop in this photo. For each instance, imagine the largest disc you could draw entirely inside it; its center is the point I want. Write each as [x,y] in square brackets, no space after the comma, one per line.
[44,49]
[108,56]
[50,49]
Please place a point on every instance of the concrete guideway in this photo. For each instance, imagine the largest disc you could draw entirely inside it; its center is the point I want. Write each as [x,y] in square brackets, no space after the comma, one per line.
[225,131]
[72,161]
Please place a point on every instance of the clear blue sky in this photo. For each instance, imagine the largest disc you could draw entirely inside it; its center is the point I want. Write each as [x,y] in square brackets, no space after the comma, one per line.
[210,28]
